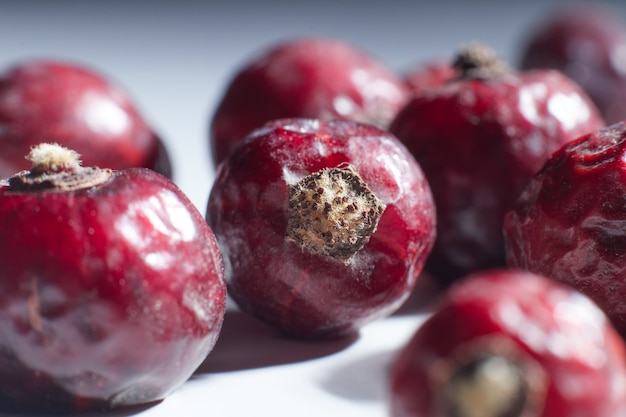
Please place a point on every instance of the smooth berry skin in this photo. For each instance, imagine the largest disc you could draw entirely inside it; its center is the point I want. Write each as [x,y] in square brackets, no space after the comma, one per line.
[65,103]
[560,330]
[306,295]
[317,78]
[479,142]
[110,296]
[569,223]
[588,44]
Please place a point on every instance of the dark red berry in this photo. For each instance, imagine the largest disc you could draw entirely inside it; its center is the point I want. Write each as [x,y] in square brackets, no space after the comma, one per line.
[570,222]
[479,139]
[507,343]
[111,286]
[430,74]
[588,43]
[307,77]
[324,226]
[64,103]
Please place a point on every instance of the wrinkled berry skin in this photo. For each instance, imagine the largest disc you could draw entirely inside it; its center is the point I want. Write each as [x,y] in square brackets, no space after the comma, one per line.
[300,293]
[571,355]
[109,296]
[570,222]
[479,142]
[305,78]
[64,103]
[587,43]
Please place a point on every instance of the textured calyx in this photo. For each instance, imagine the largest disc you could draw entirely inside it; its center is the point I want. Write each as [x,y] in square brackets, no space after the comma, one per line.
[333,213]
[48,157]
[489,386]
[56,168]
[492,379]
[477,61]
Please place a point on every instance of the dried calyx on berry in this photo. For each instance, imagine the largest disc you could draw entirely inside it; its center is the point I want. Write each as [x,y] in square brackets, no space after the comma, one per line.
[56,168]
[478,61]
[332,212]
[495,380]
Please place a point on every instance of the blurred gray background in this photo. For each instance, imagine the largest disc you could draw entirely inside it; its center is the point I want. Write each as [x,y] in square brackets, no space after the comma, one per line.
[175,57]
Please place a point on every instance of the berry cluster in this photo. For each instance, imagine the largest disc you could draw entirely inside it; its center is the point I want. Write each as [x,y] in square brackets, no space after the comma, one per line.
[338,185]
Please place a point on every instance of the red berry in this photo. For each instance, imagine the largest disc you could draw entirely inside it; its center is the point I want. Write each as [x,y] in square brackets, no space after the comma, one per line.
[570,222]
[311,78]
[111,286]
[511,343]
[324,226]
[479,139]
[587,43]
[430,74]
[73,106]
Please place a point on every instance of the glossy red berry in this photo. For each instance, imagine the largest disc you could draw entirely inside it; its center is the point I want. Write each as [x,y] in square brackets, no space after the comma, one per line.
[111,286]
[479,139]
[317,78]
[64,103]
[570,222]
[588,44]
[515,344]
[324,226]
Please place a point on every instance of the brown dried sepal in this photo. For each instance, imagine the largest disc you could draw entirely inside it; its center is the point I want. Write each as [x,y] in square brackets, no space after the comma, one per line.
[477,61]
[490,376]
[60,181]
[56,168]
[333,213]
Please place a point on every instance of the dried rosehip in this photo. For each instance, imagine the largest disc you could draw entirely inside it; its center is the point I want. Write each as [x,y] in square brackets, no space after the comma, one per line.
[479,139]
[324,226]
[307,77]
[588,43]
[515,344]
[570,222]
[111,286]
[77,108]
[430,74]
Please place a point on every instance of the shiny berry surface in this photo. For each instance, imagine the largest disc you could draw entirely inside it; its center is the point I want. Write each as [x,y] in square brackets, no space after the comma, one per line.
[587,43]
[110,295]
[570,222]
[317,78]
[309,276]
[479,139]
[61,102]
[511,343]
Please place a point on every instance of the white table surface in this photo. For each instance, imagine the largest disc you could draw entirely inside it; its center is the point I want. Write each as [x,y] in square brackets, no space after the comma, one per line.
[175,59]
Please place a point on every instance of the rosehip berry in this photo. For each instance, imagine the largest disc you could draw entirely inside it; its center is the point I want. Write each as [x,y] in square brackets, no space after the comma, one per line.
[430,74]
[479,139]
[324,226]
[515,344]
[77,108]
[587,43]
[111,286]
[570,222]
[305,78]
